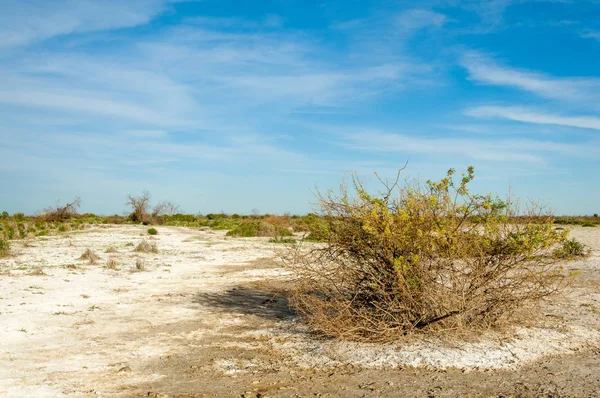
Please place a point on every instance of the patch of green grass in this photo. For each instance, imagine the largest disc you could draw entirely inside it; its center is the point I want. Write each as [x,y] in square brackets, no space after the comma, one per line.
[257,228]
[586,221]
[282,240]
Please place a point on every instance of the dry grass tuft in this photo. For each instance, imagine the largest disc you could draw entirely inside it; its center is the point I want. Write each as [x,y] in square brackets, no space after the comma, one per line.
[146,247]
[112,263]
[37,271]
[89,256]
[140,265]
[110,249]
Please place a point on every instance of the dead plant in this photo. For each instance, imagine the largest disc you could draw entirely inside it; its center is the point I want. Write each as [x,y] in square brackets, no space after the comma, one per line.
[146,247]
[62,213]
[90,256]
[140,265]
[112,263]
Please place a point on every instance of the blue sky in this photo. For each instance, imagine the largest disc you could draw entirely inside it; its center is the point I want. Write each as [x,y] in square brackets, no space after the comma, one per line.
[238,105]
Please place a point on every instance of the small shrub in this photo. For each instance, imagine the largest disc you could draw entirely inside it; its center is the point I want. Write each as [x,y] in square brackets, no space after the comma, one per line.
[152,231]
[284,222]
[146,247]
[89,256]
[4,248]
[571,248]
[588,224]
[140,265]
[112,263]
[110,249]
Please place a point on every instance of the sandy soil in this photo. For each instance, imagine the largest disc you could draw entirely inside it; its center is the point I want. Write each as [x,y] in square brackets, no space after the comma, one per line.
[203,320]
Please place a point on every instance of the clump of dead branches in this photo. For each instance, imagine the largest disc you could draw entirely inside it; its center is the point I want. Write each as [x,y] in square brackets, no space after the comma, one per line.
[417,256]
[62,213]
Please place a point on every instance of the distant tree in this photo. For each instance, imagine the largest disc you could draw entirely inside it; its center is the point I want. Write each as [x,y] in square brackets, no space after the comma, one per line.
[139,205]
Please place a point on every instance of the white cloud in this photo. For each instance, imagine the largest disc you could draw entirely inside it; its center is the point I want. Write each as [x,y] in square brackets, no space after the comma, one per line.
[591,34]
[513,150]
[484,70]
[415,19]
[86,102]
[532,116]
[23,22]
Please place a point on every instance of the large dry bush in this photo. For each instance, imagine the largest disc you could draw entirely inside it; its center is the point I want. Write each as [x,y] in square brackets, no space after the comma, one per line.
[428,256]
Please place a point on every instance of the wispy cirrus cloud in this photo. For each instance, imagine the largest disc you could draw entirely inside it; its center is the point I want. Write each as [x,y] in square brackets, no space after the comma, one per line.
[484,70]
[507,151]
[521,114]
[415,19]
[591,34]
[24,22]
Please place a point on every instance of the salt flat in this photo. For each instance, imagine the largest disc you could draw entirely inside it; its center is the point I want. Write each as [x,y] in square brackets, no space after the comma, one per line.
[206,317]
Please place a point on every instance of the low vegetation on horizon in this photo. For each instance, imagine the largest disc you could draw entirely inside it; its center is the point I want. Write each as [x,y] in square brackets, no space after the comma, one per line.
[66,218]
